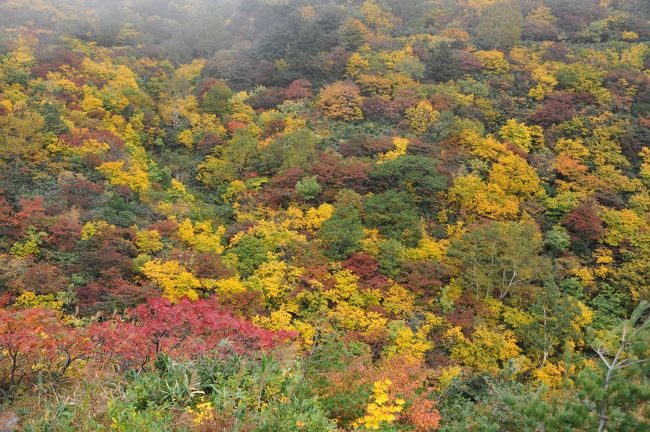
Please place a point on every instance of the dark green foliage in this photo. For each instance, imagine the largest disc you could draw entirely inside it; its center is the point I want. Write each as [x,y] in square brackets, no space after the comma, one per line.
[557,240]
[118,211]
[440,63]
[251,252]
[395,214]
[52,115]
[553,315]
[617,386]
[609,307]
[391,256]
[415,175]
[342,232]
[484,403]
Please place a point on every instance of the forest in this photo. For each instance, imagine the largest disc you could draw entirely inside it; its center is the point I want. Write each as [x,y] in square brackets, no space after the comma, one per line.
[324,215]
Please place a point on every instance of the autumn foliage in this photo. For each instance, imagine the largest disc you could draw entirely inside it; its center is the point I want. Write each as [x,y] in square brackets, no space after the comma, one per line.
[287,215]
[185,329]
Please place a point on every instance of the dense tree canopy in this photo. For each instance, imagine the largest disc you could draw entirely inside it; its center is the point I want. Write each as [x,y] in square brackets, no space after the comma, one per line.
[326,215]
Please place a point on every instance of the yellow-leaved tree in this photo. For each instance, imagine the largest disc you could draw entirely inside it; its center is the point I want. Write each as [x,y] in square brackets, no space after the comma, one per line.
[486,350]
[341,101]
[381,410]
[401,144]
[174,279]
[514,176]
[201,236]
[421,117]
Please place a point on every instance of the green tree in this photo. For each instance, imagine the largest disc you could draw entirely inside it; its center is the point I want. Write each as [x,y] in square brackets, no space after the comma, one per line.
[215,99]
[500,25]
[251,252]
[395,214]
[308,188]
[342,232]
[614,394]
[416,175]
[239,156]
[390,258]
[557,240]
[624,355]
[440,63]
[552,316]
[295,149]
[498,257]
[487,403]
